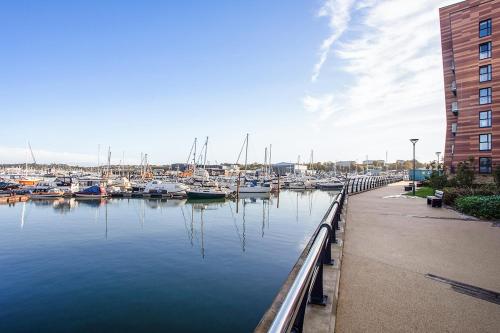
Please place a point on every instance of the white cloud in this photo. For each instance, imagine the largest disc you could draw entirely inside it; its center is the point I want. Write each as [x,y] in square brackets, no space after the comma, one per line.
[322,105]
[396,70]
[338,14]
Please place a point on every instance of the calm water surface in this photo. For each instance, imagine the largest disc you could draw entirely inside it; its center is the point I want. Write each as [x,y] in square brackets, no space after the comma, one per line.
[134,265]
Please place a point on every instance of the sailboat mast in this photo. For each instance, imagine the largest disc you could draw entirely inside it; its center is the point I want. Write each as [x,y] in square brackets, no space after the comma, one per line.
[194,155]
[246,154]
[265,160]
[205,158]
[270,154]
[26,161]
[109,160]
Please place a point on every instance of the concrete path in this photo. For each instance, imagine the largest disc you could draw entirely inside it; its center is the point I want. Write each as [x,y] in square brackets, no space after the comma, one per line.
[391,242]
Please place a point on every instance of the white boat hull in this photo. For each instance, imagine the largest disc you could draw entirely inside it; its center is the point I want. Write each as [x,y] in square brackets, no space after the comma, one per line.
[46,196]
[251,189]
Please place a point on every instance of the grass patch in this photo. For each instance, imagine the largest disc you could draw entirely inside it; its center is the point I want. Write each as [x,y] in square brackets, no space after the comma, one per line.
[422,192]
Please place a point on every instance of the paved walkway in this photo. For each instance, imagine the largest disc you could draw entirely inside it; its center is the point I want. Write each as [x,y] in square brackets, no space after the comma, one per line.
[391,242]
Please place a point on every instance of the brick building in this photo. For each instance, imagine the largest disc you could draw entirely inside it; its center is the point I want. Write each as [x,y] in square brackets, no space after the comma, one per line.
[470,41]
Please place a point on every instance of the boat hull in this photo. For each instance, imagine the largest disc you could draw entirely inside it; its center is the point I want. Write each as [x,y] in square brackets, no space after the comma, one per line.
[89,196]
[205,195]
[46,196]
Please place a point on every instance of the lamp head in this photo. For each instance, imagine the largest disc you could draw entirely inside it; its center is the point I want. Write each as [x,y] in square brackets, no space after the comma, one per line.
[413,141]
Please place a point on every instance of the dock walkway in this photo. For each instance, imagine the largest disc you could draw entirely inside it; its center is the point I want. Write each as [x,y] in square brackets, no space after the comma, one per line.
[391,243]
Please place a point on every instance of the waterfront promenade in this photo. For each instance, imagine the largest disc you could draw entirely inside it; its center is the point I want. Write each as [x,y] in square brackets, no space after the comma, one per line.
[390,243]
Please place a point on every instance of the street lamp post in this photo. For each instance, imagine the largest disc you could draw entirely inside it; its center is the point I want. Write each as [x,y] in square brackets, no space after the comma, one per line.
[414,141]
[438,153]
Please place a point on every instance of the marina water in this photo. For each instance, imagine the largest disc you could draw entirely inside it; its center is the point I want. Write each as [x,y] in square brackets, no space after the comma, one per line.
[136,265]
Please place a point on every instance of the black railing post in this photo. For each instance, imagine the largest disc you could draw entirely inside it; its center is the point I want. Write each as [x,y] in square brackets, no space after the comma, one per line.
[298,324]
[336,220]
[326,256]
[317,296]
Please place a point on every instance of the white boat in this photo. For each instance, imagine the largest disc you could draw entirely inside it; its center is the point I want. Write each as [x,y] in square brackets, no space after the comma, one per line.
[157,187]
[334,185]
[251,187]
[52,193]
[205,193]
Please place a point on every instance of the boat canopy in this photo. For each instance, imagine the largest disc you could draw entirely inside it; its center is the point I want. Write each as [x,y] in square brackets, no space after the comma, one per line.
[93,190]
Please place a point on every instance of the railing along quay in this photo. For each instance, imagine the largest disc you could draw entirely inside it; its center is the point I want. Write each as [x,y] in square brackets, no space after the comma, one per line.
[307,287]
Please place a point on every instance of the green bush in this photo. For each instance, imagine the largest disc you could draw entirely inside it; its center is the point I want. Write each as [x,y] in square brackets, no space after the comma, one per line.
[450,194]
[480,206]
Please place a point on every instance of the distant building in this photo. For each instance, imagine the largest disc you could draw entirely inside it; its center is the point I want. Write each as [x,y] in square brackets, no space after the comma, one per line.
[372,162]
[469,31]
[345,164]
[284,168]
[179,167]
[373,172]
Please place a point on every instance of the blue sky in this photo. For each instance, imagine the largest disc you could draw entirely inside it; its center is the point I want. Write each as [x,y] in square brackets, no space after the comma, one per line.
[150,76]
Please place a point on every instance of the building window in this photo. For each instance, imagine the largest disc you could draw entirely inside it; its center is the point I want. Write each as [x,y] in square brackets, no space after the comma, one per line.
[485,118]
[485,73]
[485,142]
[485,165]
[485,28]
[485,50]
[485,96]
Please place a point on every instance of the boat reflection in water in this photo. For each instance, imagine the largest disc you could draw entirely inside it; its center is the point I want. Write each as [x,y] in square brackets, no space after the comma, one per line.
[154,256]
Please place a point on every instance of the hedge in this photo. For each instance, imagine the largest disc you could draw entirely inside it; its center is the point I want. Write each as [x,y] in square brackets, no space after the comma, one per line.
[480,206]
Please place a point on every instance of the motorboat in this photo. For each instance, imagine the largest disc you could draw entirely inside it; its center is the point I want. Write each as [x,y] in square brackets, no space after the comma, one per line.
[51,193]
[160,188]
[330,185]
[250,187]
[92,192]
[205,193]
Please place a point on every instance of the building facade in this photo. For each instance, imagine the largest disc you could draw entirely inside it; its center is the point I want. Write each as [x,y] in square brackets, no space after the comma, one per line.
[470,41]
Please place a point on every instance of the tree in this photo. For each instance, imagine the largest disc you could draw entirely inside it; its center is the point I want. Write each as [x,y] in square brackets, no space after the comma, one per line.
[465,173]
[496,176]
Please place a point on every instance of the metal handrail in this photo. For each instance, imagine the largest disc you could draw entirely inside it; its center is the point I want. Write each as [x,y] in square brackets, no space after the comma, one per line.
[290,316]
[308,284]
[286,316]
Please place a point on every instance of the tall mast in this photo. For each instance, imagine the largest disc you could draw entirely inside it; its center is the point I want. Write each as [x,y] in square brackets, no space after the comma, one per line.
[270,154]
[109,160]
[312,159]
[265,160]
[246,154]
[141,169]
[26,160]
[205,158]
[194,155]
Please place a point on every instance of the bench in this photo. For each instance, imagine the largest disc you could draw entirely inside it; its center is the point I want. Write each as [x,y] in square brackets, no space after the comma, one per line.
[435,200]
[408,187]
